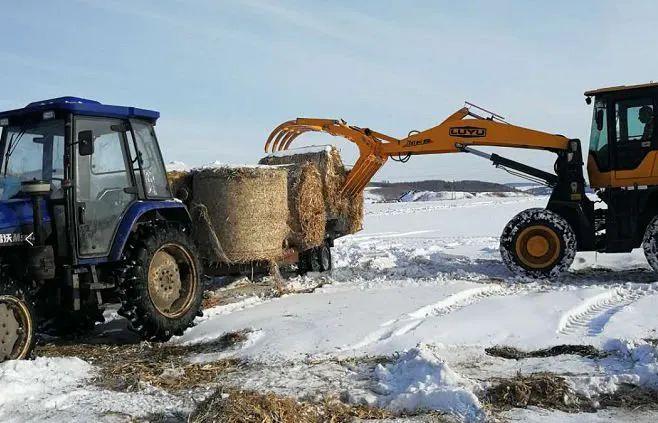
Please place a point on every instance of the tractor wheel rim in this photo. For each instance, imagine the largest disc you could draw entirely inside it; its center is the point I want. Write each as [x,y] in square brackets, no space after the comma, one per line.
[172,280]
[16,328]
[538,247]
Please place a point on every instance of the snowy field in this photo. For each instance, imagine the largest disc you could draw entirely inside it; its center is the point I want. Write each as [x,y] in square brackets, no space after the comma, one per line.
[402,323]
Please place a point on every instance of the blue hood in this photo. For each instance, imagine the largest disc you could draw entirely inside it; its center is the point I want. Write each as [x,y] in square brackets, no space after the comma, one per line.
[17,213]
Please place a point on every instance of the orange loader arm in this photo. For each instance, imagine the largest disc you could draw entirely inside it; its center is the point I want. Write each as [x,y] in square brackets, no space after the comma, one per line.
[463,128]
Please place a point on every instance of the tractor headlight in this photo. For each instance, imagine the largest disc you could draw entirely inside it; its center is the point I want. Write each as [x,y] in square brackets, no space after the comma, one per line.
[4,122]
[50,114]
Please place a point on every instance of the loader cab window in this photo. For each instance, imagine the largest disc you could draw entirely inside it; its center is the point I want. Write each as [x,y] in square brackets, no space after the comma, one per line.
[634,134]
[598,141]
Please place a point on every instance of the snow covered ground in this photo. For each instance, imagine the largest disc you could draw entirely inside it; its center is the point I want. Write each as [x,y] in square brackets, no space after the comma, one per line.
[422,286]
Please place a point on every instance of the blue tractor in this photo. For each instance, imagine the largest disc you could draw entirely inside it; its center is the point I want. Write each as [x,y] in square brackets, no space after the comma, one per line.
[86,218]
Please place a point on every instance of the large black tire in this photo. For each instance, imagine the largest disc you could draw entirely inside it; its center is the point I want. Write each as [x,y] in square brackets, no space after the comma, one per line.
[317,259]
[538,243]
[17,322]
[161,288]
[650,243]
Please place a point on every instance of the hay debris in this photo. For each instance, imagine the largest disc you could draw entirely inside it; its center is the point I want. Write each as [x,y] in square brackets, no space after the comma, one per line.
[543,389]
[127,368]
[247,208]
[513,353]
[229,405]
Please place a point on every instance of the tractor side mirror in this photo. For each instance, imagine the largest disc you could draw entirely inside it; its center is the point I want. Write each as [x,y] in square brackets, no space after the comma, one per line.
[86,143]
[599,119]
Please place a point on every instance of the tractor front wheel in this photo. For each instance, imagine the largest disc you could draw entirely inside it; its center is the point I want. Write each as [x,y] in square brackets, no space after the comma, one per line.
[16,323]
[538,243]
[161,289]
[650,243]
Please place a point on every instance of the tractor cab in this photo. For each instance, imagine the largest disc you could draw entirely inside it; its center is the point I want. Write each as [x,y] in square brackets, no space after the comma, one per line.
[87,217]
[93,162]
[623,144]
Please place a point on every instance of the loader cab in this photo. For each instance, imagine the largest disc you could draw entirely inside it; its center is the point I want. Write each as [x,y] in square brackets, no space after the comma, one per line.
[623,143]
[101,162]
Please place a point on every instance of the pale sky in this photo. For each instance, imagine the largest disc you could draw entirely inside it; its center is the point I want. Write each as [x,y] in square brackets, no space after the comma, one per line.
[223,74]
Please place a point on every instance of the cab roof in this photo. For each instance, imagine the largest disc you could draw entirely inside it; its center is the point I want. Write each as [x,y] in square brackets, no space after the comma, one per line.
[650,85]
[83,106]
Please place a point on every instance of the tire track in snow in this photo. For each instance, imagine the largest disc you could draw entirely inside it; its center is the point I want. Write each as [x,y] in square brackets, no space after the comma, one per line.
[408,322]
[590,317]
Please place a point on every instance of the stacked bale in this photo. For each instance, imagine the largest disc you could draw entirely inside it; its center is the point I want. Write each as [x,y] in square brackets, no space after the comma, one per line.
[180,183]
[246,209]
[332,174]
[307,216]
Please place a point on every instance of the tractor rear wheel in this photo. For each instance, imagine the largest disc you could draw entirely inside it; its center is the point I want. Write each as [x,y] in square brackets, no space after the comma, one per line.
[538,243]
[16,323]
[162,288]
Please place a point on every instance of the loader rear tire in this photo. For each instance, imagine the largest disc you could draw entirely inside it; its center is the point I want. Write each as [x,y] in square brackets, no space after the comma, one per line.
[17,323]
[538,243]
[161,289]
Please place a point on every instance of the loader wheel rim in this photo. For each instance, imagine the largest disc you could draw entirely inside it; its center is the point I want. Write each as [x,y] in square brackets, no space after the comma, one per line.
[538,246]
[172,280]
[16,328]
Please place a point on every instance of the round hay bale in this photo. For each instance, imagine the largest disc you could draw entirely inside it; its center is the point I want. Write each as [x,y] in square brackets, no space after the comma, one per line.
[180,183]
[332,174]
[247,208]
[307,218]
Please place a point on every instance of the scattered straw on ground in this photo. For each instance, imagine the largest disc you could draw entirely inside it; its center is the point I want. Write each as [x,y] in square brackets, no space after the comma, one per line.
[545,390]
[631,397]
[514,353]
[128,367]
[236,406]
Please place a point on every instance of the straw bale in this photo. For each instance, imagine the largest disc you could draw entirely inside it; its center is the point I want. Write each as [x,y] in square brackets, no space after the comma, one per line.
[307,217]
[180,183]
[247,209]
[333,174]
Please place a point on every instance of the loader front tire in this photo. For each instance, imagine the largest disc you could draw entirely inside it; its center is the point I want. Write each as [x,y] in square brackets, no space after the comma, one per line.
[161,289]
[650,243]
[17,323]
[538,243]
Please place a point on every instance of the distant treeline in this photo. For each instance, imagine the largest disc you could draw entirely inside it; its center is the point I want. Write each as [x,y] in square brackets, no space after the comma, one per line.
[394,190]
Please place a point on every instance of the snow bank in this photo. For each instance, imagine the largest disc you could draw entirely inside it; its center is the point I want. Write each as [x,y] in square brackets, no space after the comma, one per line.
[413,196]
[419,380]
[301,150]
[177,166]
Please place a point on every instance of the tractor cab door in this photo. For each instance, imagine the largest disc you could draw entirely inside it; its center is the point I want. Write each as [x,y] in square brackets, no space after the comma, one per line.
[104,185]
[633,139]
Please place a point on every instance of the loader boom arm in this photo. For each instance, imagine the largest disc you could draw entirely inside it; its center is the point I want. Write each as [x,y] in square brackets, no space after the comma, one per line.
[462,128]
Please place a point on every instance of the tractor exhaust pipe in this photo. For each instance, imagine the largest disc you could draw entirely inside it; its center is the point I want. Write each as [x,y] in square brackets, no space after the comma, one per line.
[40,257]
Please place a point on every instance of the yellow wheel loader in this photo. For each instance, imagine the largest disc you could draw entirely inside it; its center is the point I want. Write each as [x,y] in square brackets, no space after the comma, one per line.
[542,242]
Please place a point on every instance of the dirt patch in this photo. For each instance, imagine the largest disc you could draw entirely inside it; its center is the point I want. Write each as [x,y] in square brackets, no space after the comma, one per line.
[517,354]
[126,368]
[235,406]
[544,390]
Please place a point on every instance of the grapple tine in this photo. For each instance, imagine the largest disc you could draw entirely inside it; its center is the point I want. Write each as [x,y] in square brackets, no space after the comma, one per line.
[277,131]
[291,139]
[277,142]
[283,142]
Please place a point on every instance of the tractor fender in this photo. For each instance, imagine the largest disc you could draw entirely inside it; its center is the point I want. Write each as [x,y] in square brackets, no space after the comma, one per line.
[143,210]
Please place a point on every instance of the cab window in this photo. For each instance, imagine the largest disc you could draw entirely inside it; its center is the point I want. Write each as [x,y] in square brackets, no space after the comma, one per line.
[634,131]
[598,141]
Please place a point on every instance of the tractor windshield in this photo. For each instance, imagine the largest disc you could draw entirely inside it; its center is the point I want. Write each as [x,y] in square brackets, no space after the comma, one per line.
[32,151]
